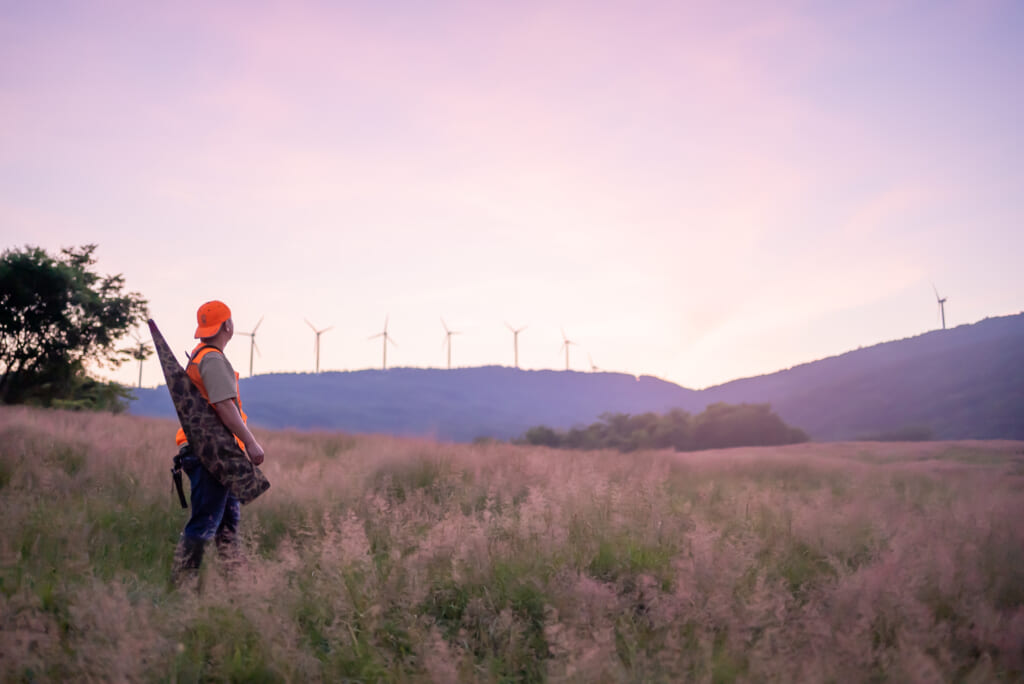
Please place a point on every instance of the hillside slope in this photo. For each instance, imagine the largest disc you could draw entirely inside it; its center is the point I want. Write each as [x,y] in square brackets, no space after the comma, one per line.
[459,404]
[966,382]
[963,383]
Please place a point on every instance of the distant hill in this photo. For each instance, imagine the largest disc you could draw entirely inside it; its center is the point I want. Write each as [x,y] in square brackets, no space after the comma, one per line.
[460,404]
[967,382]
[962,383]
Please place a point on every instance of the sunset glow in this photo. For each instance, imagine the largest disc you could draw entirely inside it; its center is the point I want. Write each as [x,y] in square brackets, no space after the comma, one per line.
[695,191]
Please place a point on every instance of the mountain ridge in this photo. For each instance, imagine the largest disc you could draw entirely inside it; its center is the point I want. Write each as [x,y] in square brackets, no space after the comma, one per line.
[962,383]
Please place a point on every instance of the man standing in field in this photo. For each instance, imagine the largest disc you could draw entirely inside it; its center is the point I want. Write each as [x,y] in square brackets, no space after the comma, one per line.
[215,511]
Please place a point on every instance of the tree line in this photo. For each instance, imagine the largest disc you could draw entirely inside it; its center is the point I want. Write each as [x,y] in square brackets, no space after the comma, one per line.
[719,426]
[59,319]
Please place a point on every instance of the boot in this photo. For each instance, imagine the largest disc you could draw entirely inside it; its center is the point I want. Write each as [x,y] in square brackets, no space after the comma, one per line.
[229,552]
[188,556]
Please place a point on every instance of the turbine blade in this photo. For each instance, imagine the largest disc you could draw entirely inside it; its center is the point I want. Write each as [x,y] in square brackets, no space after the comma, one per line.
[444,325]
[257,326]
[313,327]
[256,347]
[386,317]
[326,329]
[373,337]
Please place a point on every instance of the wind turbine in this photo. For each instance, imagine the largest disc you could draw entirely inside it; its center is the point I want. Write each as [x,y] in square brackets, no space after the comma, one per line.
[141,354]
[593,368]
[386,340]
[448,341]
[318,334]
[253,347]
[942,305]
[565,343]
[515,340]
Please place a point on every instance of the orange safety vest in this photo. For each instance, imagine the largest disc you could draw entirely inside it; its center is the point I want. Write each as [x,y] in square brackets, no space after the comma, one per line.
[192,370]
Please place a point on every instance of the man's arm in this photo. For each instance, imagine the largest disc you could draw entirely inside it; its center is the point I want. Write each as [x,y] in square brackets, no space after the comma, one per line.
[229,415]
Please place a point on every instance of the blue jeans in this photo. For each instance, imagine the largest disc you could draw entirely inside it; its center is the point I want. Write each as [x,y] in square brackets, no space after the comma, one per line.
[215,512]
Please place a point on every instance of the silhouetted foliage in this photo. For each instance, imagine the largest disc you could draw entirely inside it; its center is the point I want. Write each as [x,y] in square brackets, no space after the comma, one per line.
[727,425]
[543,435]
[56,316]
[719,426]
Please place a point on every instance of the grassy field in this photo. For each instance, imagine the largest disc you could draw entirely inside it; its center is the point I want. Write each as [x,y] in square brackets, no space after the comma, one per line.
[380,559]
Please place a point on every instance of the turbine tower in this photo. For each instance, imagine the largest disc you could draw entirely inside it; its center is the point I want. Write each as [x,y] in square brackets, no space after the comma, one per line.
[141,353]
[318,334]
[515,340]
[386,340]
[942,306]
[448,341]
[254,348]
[565,343]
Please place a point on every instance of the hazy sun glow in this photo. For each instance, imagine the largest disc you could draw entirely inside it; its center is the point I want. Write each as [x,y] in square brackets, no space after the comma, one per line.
[698,191]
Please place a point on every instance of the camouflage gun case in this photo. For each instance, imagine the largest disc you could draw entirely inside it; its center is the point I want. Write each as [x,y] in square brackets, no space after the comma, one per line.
[209,438]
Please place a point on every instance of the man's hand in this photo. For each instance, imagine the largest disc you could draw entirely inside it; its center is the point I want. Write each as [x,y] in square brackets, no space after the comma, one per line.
[255,452]
[230,416]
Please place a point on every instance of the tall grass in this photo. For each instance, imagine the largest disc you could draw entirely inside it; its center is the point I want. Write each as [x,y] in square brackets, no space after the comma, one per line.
[380,559]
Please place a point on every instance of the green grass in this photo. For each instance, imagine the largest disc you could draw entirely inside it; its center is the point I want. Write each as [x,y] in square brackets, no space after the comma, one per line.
[1002,565]
[412,562]
[399,480]
[800,566]
[334,446]
[499,617]
[221,644]
[152,526]
[624,557]
[727,665]
[275,521]
[974,456]
[6,471]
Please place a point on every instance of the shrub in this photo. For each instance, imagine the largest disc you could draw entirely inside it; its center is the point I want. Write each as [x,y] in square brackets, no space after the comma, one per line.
[719,426]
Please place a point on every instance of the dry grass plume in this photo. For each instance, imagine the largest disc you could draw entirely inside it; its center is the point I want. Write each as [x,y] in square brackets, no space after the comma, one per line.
[380,559]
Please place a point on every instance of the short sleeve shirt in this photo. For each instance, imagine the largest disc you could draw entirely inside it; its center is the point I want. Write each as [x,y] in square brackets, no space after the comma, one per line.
[218,377]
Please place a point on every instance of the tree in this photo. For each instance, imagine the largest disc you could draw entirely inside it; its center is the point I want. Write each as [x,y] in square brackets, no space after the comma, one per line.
[542,435]
[719,426]
[57,315]
[726,425]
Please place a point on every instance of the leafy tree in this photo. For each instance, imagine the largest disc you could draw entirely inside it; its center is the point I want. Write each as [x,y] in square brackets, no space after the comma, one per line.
[727,425]
[719,426]
[542,435]
[674,431]
[57,315]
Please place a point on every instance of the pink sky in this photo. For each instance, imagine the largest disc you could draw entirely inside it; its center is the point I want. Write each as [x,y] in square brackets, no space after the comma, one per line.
[698,194]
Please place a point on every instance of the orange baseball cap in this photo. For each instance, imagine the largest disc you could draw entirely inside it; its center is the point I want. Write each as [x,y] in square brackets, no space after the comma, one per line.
[210,317]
